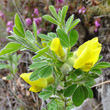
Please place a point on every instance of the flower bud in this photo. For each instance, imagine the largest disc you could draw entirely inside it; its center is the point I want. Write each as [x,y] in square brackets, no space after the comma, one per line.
[72,59]
[65,68]
[57,47]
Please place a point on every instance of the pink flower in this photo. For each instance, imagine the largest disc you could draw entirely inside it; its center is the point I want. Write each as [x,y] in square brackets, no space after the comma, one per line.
[9,26]
[97,24]
[2,15]
[9,29]
[10,23]
[52,26]
[28,21]
[36,11]
[96,29]
[37,20]
[57,9]
[32,14]
[39,31]
[82,10]
[3,40]
[60,1]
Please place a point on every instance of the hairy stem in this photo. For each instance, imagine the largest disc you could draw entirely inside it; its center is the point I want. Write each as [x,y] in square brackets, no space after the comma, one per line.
[65,101]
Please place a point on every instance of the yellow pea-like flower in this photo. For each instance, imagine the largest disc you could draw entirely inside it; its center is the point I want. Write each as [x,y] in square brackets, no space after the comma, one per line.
[37,85]
[57,47]
[87,55]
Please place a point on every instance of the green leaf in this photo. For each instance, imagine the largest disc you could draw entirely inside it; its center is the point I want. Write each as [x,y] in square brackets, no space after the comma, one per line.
[101,65]
[100,58]
[93,75]
[3,65]
[34,76]
[29,36]
[78,96]
[45,94]
[55,104]
[43,36]
[52,105]
[41,52]
[73,37]
[59,15]
[19,24]
[38,65]
[86,94]
[50,19]
[26,43]
[97,71]
[44,109]
[49,88]
[69,21]
[90,81]
[70,90]
[9,77]
[17,32]
[64,11]
[46,71]
[39,59]
[53,11]
[35,30]
[90,92]
[51,35]
[63,37]
[70,106]
[73,24]
[11,47]
[73,76]
[78,72]
[3,58]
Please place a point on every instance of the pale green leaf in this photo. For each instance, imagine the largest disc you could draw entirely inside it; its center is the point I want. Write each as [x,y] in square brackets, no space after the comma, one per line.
[63,37]
[73,24]
[73,37]
[53,11]
[11,47]
[50,19]
[19,24]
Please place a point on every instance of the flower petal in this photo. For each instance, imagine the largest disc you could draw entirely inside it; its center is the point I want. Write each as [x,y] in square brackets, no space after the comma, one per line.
[41,82]
[83,58]
[56,47]
[35,89]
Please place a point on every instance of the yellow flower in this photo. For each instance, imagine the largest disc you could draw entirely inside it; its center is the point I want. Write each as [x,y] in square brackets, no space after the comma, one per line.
[87,55]
[56,47]
[37,85]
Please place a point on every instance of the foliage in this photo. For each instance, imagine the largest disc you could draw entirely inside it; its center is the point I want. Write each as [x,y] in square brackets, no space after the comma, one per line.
[74,81]
[12,63]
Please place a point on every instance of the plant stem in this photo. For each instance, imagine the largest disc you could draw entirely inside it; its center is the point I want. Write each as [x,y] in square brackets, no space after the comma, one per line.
[65,101]
[65,104]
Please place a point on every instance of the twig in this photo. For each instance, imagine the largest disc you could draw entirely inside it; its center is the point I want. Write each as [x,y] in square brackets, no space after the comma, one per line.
[33,97]
[101,83]
[97,106]
[2,100]
[10,107]
[101,16]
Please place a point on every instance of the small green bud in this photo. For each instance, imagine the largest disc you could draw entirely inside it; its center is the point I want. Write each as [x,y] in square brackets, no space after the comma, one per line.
[72,59]
[65,68]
